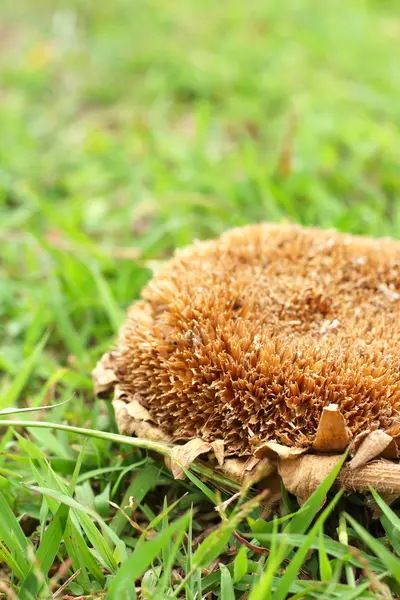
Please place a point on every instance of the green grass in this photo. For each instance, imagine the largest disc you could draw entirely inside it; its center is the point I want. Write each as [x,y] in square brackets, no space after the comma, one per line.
[128,129]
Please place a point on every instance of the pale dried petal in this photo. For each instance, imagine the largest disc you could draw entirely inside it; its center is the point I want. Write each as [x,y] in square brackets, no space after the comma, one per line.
[372,446]
[389,293]
[183,456]
[252,463]
[332,433]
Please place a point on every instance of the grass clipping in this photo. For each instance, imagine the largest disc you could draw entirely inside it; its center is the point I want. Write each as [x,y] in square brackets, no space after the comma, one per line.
[269,351]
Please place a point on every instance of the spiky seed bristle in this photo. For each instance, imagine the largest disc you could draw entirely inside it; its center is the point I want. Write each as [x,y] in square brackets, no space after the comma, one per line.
[247,338]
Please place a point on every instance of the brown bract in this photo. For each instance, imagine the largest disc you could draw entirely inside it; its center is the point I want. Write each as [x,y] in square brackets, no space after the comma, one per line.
[270,334]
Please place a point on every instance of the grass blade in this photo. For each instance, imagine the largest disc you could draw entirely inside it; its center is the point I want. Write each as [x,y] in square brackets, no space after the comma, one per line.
[302,520]
[47,551]
[391,563]
[325,568]
[10,396]
[240,565]
[291,571]
[143,482]
[140,560]
[227,591]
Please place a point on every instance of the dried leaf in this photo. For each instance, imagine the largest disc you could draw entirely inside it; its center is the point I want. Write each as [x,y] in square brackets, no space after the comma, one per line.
[104,377]
[251,463]
[392,450]
[301,476]
[371,446]
[137,411]
[218,448]
[383,475]
[129,425]
[332,433]
[234,468]
[355,443]
[183,456]
[274,450]
[260,470]
[125,423]
[260,550]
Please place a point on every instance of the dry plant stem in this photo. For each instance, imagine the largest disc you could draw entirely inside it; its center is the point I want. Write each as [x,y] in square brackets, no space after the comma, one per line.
[66,584]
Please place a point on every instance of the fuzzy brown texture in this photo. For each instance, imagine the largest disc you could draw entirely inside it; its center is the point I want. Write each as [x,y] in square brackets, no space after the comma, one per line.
[247,338]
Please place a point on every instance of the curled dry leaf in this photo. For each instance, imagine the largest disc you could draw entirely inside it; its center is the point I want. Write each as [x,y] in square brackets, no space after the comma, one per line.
[274,450]
[104,377]
[371,446]
[332,433]
[355,442]
[249,471]
[301,476]
[183,456]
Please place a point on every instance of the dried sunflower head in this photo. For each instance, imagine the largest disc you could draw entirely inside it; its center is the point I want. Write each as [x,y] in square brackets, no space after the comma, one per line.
[248,339]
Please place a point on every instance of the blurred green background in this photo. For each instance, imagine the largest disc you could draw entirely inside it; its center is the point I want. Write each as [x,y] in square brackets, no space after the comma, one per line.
[184,118]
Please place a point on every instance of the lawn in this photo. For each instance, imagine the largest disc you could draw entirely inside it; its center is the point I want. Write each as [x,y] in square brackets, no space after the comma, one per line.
[128,129]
